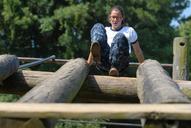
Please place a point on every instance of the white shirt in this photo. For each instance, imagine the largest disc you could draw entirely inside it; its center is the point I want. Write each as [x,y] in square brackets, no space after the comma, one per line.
[129,33]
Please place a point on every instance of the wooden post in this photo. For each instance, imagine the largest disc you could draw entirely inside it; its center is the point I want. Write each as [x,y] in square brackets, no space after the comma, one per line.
[154,86]
[180,58]
[60,87]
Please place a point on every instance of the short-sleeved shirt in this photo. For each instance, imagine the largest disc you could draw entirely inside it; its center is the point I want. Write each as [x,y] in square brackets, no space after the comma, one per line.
[129,33]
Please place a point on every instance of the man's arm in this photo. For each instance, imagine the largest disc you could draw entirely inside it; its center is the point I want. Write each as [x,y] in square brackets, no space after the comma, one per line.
[138,52]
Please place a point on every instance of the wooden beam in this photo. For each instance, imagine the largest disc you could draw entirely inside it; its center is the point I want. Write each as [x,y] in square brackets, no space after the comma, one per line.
[8,65]
[154,86]
[61,86]
[95,89]
[63,61]
[96,111]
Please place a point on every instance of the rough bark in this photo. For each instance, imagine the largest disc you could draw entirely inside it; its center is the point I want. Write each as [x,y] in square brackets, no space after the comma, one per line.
[180,58]
[154,86]
[96,88]
[8,65]
[61,86]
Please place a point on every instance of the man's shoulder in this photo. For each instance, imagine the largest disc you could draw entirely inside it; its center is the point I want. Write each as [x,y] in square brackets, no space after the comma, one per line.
[107,28]
[129,28]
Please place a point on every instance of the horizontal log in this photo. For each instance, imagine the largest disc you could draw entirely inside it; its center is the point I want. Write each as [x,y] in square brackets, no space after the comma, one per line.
[63,61]
[22,81]
[95,89]
[96,111]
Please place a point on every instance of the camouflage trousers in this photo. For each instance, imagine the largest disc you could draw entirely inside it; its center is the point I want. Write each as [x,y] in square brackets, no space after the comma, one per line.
[115,56]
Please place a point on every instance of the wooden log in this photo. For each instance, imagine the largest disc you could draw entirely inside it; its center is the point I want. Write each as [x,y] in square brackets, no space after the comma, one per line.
[63,61]
[22,81]
[96,111]
[180,58]
[96,88]
[154,86]
[106,89]
[62,86]
[8,65]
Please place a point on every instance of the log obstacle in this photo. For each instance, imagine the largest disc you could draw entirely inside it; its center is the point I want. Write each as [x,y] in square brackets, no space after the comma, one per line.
[100,89]
[154,86]
[98,111]
[146,94]
[8,65]
[61,86]
[63,61]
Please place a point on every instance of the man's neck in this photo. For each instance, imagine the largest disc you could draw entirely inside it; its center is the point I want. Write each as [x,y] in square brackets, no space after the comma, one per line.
[116,29]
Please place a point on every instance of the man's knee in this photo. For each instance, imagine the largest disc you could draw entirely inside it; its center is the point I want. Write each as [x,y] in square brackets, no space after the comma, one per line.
[121,39]
[98,34]
[98,27]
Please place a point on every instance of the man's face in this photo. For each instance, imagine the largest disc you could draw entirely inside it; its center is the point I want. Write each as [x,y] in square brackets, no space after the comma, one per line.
[115,19]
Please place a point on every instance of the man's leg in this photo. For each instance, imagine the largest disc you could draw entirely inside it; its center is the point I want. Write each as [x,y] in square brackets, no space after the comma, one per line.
[99,47]
[119,54]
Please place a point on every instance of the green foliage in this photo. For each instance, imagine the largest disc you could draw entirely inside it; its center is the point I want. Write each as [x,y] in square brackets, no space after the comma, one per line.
[185,29]
[46,24]
[72,20]
[40,28]
[78,124]
[8,98]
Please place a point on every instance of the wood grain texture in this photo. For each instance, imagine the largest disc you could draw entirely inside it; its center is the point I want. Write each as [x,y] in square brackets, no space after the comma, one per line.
[98,111]
[180,58]
[61,86]
[97,89]
[155,86]
[8,65]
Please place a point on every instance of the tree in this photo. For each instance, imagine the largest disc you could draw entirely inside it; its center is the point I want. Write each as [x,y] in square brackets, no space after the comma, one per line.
[61,27]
